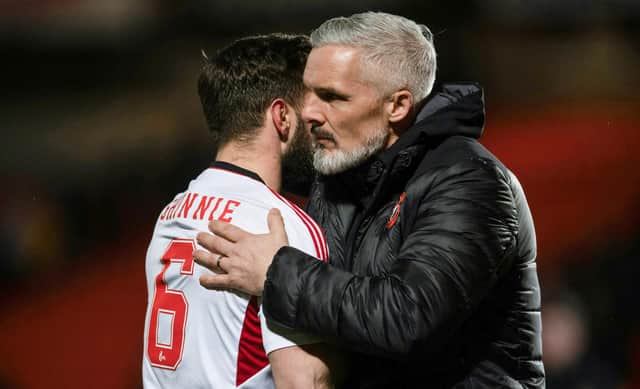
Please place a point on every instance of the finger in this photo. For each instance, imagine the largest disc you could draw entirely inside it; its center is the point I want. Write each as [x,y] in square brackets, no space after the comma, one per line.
[217,281]
[276,225]
[227,230]
[219,264]
[208,260]
[214,243]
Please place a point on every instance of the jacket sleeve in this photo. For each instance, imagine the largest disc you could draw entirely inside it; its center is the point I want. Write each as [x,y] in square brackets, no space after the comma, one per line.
[464,231]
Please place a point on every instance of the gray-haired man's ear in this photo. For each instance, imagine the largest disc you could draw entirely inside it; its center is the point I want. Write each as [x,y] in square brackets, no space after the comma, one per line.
[426,32]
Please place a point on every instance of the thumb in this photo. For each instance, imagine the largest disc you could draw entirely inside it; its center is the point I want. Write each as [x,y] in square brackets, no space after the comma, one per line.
[276,225]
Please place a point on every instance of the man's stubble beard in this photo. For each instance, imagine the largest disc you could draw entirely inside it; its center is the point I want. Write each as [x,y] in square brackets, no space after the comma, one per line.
[338,161]
[297,163]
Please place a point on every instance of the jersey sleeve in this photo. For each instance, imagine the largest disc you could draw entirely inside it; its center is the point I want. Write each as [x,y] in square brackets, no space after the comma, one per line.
[301,235]
[275,337]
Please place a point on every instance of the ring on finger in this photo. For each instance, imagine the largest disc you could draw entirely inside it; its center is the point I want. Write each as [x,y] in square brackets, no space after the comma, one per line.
[218,261]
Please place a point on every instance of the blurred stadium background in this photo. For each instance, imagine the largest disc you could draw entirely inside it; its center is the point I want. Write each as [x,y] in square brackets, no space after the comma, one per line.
[101,126]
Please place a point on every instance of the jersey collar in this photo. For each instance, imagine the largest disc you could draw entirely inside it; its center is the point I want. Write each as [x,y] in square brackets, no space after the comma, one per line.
[221,165]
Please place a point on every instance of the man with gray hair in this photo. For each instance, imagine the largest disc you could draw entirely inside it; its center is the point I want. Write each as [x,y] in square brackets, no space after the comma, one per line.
[431,279]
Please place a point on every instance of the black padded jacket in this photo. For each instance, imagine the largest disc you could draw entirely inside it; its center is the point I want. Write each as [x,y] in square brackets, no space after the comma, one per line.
[431,280]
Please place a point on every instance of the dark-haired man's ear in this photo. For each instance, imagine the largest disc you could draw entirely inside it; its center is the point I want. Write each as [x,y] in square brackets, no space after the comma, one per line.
[280,117]
[399,106]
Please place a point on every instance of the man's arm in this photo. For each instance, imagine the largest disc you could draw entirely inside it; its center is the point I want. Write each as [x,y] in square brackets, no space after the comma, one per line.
[313,366]
[464,227]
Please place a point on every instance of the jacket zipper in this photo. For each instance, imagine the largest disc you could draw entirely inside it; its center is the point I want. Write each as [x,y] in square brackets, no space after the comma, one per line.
[360,218]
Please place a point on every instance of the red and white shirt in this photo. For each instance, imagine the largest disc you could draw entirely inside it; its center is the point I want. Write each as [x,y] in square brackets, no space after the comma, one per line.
[199,338]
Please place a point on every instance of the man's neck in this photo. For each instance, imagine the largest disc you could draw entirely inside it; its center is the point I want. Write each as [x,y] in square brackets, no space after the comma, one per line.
[259,157]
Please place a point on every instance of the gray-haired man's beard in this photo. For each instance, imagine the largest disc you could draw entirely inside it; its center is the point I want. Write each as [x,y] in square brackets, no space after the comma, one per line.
[337,161]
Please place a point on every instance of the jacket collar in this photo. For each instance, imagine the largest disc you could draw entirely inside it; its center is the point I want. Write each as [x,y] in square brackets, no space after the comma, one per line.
[451,109]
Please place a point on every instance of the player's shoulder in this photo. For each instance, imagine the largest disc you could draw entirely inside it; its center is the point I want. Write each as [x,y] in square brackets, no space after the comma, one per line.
[288,209]
[302,230]
[256,197]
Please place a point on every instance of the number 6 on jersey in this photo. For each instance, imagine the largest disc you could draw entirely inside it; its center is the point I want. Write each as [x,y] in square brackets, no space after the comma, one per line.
[169,313]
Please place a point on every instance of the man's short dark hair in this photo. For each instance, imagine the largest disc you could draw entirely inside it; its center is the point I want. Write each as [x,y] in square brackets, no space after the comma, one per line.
[240,82]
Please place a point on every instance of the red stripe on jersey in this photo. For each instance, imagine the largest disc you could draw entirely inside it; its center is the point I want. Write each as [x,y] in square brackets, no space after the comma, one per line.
[251,355]
[316,233]
[313,228]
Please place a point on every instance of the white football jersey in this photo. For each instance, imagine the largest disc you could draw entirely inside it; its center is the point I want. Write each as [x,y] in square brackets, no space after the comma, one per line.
[199,338]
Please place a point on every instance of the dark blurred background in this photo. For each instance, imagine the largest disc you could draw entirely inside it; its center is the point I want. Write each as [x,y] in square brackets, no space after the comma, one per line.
[101,126]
